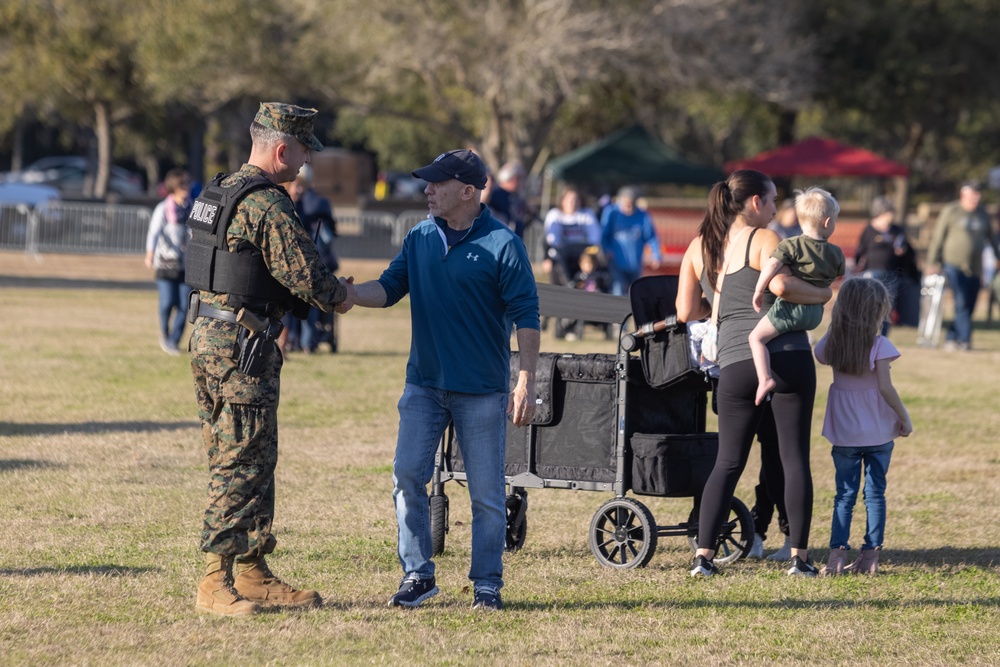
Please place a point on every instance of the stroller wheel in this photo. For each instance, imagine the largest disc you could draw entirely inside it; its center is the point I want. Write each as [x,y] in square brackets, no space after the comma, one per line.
[735,537]
[517,520]
[439,521]
[623,534]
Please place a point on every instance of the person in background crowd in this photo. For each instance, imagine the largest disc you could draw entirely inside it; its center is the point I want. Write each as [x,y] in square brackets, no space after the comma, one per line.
[316,215]
[469,280]
[883,253]
[626,231]
[569,230]
[592,277]
[166,244]
[786,224]
[505,201]
[963,230]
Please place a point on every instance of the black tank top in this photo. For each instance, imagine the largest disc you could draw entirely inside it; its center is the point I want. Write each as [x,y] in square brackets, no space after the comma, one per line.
[737,317]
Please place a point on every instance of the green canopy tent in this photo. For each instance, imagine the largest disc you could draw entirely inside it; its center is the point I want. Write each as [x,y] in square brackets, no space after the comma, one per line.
[627,156]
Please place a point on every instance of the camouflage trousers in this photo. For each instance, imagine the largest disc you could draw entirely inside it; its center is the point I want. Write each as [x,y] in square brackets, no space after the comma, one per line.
[239,424]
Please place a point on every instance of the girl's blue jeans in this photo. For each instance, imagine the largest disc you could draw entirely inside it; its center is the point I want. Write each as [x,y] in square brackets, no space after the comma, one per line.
[849,462]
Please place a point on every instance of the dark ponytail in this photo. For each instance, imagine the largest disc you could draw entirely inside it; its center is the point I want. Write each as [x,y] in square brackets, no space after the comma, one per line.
[725,201]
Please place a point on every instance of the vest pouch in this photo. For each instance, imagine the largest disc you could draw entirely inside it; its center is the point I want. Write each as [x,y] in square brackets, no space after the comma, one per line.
[200,262]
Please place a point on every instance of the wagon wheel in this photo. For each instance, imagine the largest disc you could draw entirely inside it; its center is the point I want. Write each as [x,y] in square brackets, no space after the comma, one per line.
[439,521]
[623,534]
[735,537]
[517,520]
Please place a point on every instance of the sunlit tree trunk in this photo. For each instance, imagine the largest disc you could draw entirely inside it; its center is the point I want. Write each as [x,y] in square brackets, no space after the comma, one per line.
[102,128]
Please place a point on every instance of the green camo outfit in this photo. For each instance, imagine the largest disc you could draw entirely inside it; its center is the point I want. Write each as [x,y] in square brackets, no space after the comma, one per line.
[239,413]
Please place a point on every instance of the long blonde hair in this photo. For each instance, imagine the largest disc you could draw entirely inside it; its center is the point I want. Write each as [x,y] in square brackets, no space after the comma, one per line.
[862,306]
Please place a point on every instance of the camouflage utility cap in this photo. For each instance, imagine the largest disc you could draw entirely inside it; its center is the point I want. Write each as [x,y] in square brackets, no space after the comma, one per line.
[289,119]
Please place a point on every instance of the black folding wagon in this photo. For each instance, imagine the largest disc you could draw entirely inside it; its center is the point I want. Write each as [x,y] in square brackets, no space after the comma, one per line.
[633,421]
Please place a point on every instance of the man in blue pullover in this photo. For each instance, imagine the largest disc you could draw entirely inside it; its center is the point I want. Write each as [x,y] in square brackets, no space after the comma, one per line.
[469,280]
[626,231]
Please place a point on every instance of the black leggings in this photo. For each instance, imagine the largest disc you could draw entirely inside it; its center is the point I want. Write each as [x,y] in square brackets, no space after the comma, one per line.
[792,405]
[770,491]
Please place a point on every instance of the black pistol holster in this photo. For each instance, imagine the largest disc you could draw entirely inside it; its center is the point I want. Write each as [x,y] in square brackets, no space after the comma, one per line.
[194,302]
[256,341]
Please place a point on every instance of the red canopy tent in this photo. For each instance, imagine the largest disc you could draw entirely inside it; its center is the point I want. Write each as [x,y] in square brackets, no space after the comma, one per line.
[820,157]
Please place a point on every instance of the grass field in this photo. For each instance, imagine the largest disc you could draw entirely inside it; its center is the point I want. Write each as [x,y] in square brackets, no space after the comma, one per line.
[102,479]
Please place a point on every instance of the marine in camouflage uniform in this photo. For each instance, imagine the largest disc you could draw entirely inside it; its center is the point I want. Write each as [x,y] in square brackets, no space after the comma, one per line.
[239,412]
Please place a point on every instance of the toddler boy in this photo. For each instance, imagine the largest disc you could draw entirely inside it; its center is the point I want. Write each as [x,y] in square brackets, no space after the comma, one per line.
[810,257]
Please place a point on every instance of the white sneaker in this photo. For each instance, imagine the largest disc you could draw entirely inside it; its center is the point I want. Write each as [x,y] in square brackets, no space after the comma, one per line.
[784,553]
[757,550]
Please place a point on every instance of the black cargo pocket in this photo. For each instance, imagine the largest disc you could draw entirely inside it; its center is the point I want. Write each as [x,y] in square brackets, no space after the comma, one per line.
[672,465]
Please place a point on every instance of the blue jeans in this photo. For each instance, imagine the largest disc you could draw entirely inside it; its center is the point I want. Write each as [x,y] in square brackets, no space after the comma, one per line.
[481,430]
[848,462]
[965,288]
[309,334]
[173,295]
[622,279]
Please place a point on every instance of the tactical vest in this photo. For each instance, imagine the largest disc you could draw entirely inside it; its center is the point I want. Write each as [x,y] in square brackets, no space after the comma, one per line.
[242,275]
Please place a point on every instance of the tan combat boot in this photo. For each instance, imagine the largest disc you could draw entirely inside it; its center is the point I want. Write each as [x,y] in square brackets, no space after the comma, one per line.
[255,581]
[216,594]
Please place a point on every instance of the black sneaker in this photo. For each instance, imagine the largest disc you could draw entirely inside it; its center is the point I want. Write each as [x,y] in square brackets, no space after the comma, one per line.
[802,568]
[487,599]
[703,567]
[412,592]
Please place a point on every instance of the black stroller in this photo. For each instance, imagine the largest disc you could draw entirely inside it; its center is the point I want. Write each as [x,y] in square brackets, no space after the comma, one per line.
[630,421]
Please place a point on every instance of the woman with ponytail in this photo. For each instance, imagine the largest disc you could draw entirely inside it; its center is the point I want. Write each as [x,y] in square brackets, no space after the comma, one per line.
[735,229]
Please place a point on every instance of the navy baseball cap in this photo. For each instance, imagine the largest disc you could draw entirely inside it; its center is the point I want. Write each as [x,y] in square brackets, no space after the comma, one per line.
[461,164]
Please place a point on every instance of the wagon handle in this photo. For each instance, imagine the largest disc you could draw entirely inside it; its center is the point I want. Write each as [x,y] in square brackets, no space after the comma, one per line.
[630,341]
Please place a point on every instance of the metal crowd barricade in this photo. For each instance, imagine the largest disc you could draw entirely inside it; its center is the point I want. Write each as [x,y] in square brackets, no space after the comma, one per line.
[97,228]
[15,222]
[373,234]
[74,227]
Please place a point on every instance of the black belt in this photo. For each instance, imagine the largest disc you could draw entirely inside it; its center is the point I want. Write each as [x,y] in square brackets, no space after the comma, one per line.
[205,310]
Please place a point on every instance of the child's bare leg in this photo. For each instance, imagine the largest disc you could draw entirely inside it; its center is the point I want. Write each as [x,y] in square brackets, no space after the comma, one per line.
[761,334]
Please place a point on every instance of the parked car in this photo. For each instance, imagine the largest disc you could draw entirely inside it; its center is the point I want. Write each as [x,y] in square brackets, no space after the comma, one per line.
[70,174]
[404,186]
[29,194]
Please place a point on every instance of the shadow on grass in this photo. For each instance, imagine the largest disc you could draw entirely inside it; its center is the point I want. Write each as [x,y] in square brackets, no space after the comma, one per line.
[374,353]
[75,283]
[10,428]
[942,557]
[27,464]
[86,570]
[789,604]
[945,556]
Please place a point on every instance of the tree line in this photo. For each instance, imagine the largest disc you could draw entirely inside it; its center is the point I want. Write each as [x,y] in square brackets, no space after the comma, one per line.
[176,81]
